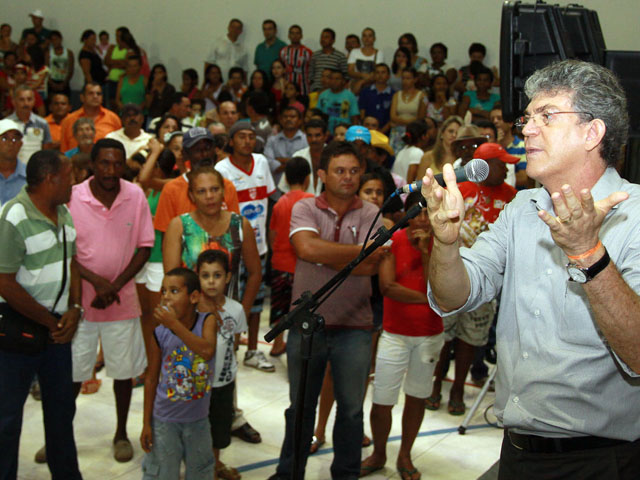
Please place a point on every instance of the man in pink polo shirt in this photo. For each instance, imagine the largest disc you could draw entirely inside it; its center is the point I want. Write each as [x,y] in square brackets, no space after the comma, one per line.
[114,239]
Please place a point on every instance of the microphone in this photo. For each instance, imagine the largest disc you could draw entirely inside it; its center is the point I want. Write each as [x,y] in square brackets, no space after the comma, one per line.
[476,170]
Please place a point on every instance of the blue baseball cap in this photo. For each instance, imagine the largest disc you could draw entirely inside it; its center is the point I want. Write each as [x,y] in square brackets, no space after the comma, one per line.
[358,132]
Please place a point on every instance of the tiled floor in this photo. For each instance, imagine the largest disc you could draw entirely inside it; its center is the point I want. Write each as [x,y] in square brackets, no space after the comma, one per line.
[439,451]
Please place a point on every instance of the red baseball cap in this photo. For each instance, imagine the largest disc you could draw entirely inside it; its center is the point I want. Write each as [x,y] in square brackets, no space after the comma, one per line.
[487,151]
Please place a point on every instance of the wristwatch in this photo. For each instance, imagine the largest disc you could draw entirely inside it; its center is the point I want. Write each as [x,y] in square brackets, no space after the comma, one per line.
[583,275]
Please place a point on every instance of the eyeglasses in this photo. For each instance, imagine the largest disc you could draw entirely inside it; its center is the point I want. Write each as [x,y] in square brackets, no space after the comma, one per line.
[542,118]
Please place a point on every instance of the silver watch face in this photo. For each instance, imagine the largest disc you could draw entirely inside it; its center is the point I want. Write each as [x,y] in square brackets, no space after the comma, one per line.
[576,274]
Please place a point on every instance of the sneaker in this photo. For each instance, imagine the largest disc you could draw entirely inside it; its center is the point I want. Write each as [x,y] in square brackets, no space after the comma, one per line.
[256,359]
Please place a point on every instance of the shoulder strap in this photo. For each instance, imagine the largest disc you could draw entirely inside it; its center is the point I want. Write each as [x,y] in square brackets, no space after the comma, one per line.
[64,266]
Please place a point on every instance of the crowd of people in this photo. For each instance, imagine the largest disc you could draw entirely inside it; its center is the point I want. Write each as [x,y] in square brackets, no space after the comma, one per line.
[174,214]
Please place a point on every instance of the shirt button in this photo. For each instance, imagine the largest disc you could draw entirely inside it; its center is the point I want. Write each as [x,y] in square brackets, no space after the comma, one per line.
[549,271]
[525,355]
[516,399]
[536,312]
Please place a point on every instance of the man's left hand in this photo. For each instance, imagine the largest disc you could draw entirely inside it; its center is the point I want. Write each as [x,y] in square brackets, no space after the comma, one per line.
[576,227]
[67,326]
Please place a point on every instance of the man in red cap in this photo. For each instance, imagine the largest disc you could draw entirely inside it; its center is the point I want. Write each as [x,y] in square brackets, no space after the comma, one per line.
[483,203]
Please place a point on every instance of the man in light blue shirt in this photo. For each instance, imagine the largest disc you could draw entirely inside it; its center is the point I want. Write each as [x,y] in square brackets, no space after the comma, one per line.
[280,147]
[13,174]
[565,261]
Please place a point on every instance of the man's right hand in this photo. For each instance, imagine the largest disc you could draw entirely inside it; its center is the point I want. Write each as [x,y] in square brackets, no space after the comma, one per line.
[106,293]
[445,206]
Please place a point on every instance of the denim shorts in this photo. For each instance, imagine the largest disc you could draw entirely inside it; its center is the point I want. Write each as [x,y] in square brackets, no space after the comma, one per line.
[175,442]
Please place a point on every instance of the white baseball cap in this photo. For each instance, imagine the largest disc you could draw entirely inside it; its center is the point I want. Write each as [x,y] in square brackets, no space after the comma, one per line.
[7,125]
[37,13]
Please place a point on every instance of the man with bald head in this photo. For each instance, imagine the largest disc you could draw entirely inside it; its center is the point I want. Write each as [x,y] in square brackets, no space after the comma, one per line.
[228,114]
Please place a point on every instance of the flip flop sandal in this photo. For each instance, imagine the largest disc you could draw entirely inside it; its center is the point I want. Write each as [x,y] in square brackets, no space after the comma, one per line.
[433,402]
[369,469]
[406,474]
[316,445]
[456,408]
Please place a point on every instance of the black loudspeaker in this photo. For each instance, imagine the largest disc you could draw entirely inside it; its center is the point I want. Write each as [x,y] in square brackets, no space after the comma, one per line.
[536,34]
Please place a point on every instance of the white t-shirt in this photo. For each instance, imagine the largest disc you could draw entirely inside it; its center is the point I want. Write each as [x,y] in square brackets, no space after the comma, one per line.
[409,155]
[253,187]
[365,63]
[131,145]
[306,154]
[233,321]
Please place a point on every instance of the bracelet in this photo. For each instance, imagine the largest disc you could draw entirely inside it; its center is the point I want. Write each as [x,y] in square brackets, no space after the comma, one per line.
[585,254]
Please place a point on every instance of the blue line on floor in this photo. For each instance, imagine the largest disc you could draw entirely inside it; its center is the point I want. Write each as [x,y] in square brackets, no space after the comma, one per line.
[324,451]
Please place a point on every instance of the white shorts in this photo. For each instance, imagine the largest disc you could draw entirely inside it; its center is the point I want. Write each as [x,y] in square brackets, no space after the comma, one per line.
[411,358]
[122,344]
[151,276]
[470,327]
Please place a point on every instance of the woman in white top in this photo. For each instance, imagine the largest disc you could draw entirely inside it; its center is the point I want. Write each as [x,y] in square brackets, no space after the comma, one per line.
[408,159]
[407,106]
[362,61]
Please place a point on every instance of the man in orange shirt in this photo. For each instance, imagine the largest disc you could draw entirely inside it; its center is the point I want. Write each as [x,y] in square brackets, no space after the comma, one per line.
[197,147]
[60,108]
[104,120]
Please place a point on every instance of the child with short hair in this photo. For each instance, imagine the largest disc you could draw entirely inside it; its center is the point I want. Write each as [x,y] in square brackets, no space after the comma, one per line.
[283,259]
[214,274]
[178,383]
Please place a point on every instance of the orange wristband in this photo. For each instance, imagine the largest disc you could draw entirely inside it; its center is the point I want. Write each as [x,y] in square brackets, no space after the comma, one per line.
[585,254]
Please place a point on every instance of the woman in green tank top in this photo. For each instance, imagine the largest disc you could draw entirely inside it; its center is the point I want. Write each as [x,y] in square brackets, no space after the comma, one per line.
[116,61]
[132,86]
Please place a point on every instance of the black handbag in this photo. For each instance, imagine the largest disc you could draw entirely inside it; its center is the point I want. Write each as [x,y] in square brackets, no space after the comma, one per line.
[20,334]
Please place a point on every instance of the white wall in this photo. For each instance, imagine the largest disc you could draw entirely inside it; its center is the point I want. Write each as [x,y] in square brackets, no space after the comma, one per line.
[179,33]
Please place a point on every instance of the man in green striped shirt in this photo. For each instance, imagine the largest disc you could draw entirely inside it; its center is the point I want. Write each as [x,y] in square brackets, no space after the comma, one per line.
[33,229]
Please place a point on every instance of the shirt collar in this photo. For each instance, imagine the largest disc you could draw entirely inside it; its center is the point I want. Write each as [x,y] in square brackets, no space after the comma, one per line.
[32,212]
[82,192]
[297,136]
[608,183]
[386,90]
[323,204]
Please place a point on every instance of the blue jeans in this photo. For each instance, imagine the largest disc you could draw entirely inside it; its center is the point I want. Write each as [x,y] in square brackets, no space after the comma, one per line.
[53,367]
[173,442]
[349,353]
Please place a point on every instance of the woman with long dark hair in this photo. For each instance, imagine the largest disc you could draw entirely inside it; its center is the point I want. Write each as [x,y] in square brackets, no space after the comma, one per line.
[159,92]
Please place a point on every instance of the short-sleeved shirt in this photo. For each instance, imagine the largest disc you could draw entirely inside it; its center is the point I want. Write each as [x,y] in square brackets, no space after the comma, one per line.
[297,60]
[486,105]
[283,256]
[11,185]
[365,63]
[55,129]
[406,157]
[131,145]
[340,107]
[174,201]
[35,133]
[43,35]
[98,73]
[265,55]
[107,241]
[280,146]
[349,306]
[254,187]
[184,387]
[105,122]
[517,149]
[376,104]
[233,320]
[32,248]
[320,61]
[411,319]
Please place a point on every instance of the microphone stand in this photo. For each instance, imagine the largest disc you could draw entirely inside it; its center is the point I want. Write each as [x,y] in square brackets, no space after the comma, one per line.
[309,322]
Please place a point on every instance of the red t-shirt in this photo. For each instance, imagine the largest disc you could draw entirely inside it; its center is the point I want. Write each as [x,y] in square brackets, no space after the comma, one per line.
[483,204]
[411,319]
[284,256]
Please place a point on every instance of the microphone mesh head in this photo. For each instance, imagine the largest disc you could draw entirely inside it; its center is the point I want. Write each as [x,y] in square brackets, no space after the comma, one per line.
[477,170]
